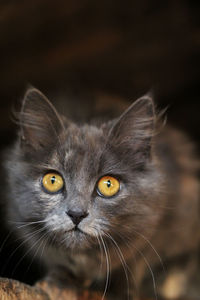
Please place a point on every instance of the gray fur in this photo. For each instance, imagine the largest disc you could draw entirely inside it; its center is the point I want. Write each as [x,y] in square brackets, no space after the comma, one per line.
[151,195]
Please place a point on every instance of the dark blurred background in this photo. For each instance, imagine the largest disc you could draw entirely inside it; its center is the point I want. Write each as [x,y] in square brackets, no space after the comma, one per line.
[119,48]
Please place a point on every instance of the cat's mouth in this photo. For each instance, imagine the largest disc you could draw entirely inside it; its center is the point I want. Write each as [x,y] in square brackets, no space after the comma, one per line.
[76,238]
[77,230]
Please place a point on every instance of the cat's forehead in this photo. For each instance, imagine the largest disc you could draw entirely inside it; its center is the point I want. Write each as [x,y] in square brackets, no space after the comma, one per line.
[87,136]
[82,149]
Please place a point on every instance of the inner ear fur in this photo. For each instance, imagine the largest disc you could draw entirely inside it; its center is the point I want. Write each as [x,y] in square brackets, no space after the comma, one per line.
[134,129]
[40,123]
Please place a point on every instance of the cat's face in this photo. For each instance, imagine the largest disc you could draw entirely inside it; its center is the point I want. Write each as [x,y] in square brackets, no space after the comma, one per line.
[74,183]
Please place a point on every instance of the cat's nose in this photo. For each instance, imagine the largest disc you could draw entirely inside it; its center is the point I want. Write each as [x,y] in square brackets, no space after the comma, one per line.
[76,215]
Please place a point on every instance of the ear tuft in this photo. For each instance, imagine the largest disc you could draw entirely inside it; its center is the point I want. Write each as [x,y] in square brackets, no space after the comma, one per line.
[134,129]
[39,121]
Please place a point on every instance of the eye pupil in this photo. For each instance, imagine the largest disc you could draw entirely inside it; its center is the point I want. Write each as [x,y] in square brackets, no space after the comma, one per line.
[108,186]
[53,179]
[52,182]
[108,183]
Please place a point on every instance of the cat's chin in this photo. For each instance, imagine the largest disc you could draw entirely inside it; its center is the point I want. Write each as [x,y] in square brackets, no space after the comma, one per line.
[77,239]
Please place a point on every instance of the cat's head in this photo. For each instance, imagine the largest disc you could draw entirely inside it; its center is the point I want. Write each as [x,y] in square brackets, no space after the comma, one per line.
[69,184]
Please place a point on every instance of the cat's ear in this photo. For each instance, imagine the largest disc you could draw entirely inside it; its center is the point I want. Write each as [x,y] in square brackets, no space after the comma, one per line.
[40,124]
[134,129]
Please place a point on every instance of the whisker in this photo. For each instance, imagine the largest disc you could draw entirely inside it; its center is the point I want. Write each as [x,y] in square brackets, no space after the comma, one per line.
[6,239]
[153,248]
[44,243]
[26,253]
[151,271]
[30,236]
[122,259]
[101,251]
[147,264]
[24,224]
[107,266]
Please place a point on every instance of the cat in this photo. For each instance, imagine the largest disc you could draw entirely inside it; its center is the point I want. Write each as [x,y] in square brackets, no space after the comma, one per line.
[103,205]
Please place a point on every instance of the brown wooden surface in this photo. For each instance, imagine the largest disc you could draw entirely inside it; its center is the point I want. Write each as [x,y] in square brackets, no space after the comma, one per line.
[14,290]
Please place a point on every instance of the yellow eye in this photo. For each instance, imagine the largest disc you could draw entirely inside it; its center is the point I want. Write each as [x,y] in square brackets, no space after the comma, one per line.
[52,182]
[108,186]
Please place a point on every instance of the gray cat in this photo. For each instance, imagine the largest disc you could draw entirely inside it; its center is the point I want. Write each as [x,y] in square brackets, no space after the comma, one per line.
[103,205]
